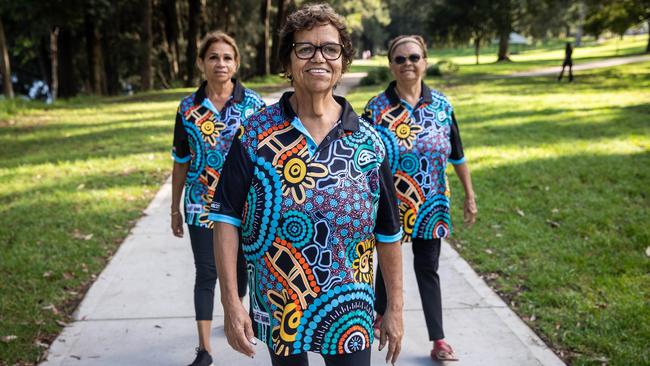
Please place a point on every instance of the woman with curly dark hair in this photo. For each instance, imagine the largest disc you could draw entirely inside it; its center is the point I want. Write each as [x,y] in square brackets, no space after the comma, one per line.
[309,185]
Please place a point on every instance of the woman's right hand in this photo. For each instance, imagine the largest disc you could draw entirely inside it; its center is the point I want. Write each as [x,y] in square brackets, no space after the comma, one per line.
[177,224]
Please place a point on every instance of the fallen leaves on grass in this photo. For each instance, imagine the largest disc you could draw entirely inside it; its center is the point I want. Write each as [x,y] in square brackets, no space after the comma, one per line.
[520,212]
[647,252]
[553,224]
[8,338]
[51,307]
[81,236]
[489,251]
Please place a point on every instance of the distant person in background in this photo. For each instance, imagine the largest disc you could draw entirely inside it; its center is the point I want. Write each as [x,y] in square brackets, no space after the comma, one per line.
[207,121]
[568,61]
[419,130]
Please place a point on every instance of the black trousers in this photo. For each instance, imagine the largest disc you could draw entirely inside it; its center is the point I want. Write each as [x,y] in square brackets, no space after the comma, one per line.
[426,255]
[565,64]
[361,358]
[206,272]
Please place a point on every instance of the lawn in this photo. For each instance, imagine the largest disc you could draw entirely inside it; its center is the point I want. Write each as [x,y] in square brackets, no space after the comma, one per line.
[525,58]
[74,178]
[561,175]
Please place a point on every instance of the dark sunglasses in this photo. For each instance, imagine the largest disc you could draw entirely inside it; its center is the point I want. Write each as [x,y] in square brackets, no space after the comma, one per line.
[402,59]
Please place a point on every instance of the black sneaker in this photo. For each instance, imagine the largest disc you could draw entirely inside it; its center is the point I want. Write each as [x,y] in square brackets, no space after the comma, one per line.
[203,358]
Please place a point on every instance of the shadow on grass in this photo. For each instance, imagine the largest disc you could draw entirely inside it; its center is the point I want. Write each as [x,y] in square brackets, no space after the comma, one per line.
[113,142]
[575,256]
[534,127]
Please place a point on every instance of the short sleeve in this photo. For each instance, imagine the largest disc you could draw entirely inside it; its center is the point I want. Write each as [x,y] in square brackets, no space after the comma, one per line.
[387,226]
[228,202]
[367,113]
[181,147]
[457,155]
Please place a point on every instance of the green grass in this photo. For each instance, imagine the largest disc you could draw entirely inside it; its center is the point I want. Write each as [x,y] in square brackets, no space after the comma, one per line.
[529,57]
[561,175]
[74,178]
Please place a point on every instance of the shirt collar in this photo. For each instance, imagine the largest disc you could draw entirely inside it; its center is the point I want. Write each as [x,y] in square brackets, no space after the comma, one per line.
[349,119]
[394,99]
[237,92]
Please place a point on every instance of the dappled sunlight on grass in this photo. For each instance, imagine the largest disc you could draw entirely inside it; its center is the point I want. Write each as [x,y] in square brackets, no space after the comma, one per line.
[561,175]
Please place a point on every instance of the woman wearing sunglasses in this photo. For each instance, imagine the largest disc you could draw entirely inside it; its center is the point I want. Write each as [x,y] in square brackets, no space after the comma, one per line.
[419,130]
[309,184]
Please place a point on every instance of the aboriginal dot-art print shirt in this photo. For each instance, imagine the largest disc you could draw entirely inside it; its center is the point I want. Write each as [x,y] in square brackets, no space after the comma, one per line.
[419,141]
[202,137]
[310,216]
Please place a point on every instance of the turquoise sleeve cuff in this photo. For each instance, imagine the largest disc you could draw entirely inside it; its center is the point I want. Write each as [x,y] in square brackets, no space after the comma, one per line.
[389,238]
[457,162]
[224,218]
[181,160]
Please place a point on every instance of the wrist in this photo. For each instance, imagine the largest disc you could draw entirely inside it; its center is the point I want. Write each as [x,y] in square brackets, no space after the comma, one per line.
[395,305]
[470,196]
[228,301]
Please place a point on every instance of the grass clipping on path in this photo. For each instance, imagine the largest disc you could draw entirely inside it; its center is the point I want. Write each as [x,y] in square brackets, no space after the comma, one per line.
[561,173]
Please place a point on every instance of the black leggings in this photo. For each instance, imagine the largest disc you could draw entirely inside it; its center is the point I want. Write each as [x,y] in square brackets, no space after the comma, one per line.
[206,271]
[426,255]
[360,358]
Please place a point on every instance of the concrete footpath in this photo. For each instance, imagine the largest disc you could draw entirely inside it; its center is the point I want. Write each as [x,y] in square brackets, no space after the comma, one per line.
[140,310]
[578,65]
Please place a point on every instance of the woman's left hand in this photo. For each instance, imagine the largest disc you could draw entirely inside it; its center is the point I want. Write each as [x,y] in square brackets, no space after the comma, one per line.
[469,211]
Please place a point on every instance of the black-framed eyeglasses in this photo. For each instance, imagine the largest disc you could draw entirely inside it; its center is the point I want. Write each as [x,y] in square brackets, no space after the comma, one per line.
[402,59]
[306,50]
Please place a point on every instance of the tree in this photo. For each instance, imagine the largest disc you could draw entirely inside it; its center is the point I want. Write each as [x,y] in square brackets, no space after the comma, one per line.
[146,47]
[461,21]
[192,40]
[5,66]
[263,56]
[616,16]
[280,15]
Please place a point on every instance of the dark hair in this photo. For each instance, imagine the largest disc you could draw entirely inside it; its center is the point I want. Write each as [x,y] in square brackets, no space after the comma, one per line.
[400,40]
[217,36]
[306,18]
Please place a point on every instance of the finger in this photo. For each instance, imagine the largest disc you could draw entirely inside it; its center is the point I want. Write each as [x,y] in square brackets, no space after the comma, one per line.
[391,349]
[250,335]
[382,338]
[397,351]
[243,345]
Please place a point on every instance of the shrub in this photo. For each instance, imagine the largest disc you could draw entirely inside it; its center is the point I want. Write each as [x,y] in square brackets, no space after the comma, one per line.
[376,76]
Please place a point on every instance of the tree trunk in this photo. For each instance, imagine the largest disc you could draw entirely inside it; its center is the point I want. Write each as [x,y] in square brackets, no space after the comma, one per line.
[111,50]
[54,59]
[171,34]
[477,48]
[223,16]
[93,54]
[67,74]
[146,47]
[5,66]
[502,16]
[581,22]
[263,57]
[647,48]
[503,47]
[192,39]
[275,47]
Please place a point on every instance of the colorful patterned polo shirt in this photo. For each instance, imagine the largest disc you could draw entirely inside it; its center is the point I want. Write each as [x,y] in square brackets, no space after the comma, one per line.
[202,137]
[419,141]
[310,216]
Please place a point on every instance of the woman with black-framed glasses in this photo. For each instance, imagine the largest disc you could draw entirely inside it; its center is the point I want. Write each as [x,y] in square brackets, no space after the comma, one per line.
[419,130]
[309,184]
